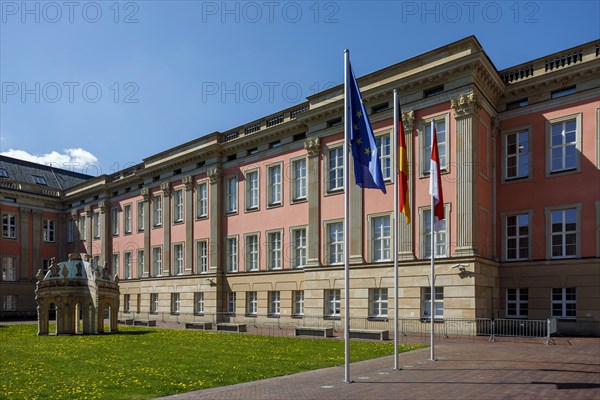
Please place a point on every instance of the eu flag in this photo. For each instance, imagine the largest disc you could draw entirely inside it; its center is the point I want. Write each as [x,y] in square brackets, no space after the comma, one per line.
[367,166]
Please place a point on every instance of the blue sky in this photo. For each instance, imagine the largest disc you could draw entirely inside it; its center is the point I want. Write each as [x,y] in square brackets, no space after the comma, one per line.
[97,86]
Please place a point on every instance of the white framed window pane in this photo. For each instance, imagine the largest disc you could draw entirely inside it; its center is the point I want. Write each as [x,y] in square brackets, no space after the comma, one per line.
[275,251]
[335,242]
[178,217]
[332,302]
[253,190]
[252,253]
[275,184]
[299,177]
[232,255]
[384,148]
[440,236]
[198,302]
[202,200]
[299,248]
[298,302]
[232,194]
[202,256]
[336,169]
[381,238]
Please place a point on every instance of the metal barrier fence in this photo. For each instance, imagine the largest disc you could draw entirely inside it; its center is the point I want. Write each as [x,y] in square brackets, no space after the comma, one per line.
[448,328]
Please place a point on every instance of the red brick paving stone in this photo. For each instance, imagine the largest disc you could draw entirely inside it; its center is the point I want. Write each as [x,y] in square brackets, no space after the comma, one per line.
[465,370]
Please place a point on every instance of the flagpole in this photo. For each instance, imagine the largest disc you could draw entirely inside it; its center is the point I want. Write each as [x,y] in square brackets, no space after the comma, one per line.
[346,222]
[395,220]
[432,294]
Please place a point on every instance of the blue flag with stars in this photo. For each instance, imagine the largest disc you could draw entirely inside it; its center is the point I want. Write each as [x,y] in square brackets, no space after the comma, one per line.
[367,165]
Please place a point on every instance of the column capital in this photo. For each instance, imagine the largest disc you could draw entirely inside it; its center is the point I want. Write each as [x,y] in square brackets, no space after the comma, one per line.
[465,105]
[74,214]
[166,189]
[87,211]
[214,174]
[103,206]
[408,119]
[188,182]
[145,192]
[313,146]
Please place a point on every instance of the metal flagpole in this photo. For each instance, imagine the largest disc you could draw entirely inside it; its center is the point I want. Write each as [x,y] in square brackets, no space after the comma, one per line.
[432,294]
[395,221]
[346,222]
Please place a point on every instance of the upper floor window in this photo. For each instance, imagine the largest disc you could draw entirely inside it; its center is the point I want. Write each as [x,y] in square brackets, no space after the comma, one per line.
[232,254]
[9,226]
[384,147]
[202,199]
[299,179]
[156,261]
[564,144]
[252,252]
[141,216]
[9,268]
[3,173]
[335,243]
[442,137]
[96,225]
[275,184]
[128,265]
[517,155]
[441,237]
[564,233]
[336,169]
[140,263]
[517,237]
[275,250]
[115,221]
[252,190]
[82,227]
[231,189]
[299,248]
[178,211]
[127,218]
[40,180]
[381,238]
[202,256]
[157,211]
[70,230]
[178,259]
[49,230]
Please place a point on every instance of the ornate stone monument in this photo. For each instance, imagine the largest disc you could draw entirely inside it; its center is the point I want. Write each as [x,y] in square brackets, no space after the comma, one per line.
[78,288]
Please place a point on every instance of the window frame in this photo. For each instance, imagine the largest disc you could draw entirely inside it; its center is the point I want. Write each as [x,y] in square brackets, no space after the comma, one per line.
[328,244]
[178,258]
[82,227]
[248,253]
[379,136]
[127,219]
[518,131]
[231,303]
[115,263]
[294,247]
[377,303]
[157,262]
[10,302]
[297,180]
[231,204]
[274,188]
[140,262]
[199,303]
[275,253]
[563,302]
[436,300]
[49,230]
[140,217]
[96,227]
[252,193]
[577,117]
[175,303]
[297,303]
[339,188]
[549,234]
[274,303]
[154,304]
[424,154]
[202,199]
[127,265]
[157,211]
[521,306]
[332,304]
[251,303]
[202,260]
[518,237]
[371,219]
[10,273]
[114,219]
[232,258]
[9,226]
[424,222]
[178,206]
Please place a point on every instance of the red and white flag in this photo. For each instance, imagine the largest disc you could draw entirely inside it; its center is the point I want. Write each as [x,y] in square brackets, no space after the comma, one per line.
[435,182]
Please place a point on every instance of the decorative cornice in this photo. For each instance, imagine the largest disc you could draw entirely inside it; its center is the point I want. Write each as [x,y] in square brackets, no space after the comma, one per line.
[145,192]
[313,146]
[188,182]
[166,189]
[214,174]
[465,105]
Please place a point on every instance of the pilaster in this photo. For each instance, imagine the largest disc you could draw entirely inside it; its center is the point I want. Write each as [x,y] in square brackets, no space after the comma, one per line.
[147,230]
[355,197]
[406,250]
[89,229]
[105,236]
[215,249]
[466,109]
[25,250]
[166,261]
[36,230]
[189,224]
[313,148]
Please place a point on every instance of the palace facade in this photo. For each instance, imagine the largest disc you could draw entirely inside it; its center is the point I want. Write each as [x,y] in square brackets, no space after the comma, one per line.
[249,221]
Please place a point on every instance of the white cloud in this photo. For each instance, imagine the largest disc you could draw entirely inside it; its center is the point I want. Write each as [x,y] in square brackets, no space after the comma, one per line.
[71,159]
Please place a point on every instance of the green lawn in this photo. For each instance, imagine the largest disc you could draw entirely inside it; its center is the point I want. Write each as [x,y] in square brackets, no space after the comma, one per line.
[139,363]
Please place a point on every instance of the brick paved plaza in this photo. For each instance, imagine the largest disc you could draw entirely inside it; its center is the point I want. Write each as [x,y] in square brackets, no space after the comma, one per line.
[506,369]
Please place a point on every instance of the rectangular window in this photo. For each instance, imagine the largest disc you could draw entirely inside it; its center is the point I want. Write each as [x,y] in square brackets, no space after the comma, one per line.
[385,155]
[517,237]
[156,261]
[517,303]
[45,265]
[141,217]
[298,296]
[231,194]
[153,302]
[202,256]
[202,199]
[178,209]
[441,247]
[96,225]
[252,190]
[39,180]
[9,268]
[517,155]
[49,231]
[336,169]
[178,259]
[127,218]
[128,265]
[563,146]
[231,298]
[438,303]
[299,248]
[440,129]
[232,254]
[9,302]
[564,303]
[275,250]
[70,230]
[252,253]
[332,302]
[274,173]
[299,179]
[378,304]
[115,221]
[381,238]
[199,303]
[82,227]
[335,243]
[251,303]
[115,264]
[564,233]
[274,303]
[175,303]
[157,211]
[140,263]
[9,226]
[126,303]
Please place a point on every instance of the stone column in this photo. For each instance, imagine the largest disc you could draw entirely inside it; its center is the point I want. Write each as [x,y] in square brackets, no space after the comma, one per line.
[105,235]
[88,229]
[466,109]
[166,260]
[406,250]
[313,148]
[355,199]
[76,235]
[147,230]
[215,214]
[25,250]
[36,229]
[189,224]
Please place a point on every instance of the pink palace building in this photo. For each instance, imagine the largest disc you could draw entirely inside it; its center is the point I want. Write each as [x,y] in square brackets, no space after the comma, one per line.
[248,223]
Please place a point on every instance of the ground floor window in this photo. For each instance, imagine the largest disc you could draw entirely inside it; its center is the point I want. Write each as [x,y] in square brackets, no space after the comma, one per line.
[298,296]
[198,303]
[126,302]
[378,303]
[564,303]
[438,303]
[153,302]
[274,303]
[251,303]
[9,302]
[517,303]
[175,303]
[231,302]
[332,302]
